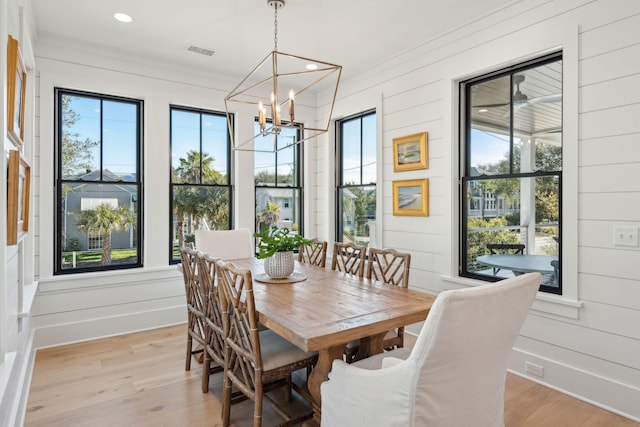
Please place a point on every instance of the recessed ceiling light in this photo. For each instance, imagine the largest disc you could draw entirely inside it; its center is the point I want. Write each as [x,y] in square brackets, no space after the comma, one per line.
[483,110]
[312,66]
[122,17]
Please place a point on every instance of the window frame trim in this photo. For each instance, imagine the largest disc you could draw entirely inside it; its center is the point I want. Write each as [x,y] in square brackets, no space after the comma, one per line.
[172,185]
[58,181]
[338,156]
[464,172]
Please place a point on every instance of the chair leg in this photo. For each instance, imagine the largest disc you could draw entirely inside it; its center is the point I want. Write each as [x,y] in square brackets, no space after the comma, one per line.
[287,392]
[226,402]
[206,367]
[187,366]
[257,408]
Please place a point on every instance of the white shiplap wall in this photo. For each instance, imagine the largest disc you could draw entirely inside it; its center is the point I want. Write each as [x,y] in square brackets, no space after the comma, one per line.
[589,341]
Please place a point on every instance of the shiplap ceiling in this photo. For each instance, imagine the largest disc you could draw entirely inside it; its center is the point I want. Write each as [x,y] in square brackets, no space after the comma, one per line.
[537,107]
[353,33]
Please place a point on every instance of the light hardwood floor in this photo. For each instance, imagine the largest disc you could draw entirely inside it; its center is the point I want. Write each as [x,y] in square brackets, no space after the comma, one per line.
[139,380]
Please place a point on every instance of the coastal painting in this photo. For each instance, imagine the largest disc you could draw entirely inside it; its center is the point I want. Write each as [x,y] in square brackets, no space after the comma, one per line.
[411,197]
[410,152]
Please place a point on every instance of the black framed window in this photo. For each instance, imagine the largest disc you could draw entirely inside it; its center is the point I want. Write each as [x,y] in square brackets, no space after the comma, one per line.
[98,182]
[278,180]
[356,179]
[511,173]
[200,175]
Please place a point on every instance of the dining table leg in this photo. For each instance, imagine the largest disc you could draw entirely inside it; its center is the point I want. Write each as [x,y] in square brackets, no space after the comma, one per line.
[320,374]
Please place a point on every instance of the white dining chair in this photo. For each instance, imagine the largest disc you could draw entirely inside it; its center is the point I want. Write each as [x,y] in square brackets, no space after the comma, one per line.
[225,244]
[455,373]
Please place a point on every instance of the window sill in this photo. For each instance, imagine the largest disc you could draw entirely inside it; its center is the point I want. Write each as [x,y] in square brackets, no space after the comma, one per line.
[107,279]
[546,303]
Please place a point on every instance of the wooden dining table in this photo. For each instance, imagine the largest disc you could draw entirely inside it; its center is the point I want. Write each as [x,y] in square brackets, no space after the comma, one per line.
[328,309]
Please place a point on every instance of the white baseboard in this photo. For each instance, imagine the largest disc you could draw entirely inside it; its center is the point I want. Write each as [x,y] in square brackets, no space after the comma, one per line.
[605,393]
[86,330]
[25,383]
[7,411]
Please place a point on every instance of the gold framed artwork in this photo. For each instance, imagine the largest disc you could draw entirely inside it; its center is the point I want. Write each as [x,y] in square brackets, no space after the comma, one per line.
[18,185]
[410,152]
[411,197]
[16,92]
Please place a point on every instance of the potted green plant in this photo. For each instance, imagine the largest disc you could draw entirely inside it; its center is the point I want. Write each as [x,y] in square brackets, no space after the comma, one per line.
[276,248]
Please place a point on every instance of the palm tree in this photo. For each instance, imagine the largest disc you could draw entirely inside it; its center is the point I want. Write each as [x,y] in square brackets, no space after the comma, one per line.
[195,202]
[269,215]
[105,219]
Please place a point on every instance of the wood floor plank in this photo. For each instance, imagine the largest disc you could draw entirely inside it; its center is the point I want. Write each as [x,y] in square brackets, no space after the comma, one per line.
[139,380]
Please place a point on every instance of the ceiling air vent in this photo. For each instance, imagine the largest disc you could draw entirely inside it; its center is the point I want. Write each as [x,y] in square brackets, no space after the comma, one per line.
[201,50]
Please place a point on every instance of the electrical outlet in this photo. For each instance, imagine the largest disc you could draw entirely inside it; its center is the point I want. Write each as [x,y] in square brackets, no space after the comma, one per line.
[533,369]
[625,236]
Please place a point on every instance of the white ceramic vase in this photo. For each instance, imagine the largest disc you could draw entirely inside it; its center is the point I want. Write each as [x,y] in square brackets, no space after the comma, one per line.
[280,265]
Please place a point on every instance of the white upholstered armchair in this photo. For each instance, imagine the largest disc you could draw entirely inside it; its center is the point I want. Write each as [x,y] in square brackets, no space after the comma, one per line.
[453,376]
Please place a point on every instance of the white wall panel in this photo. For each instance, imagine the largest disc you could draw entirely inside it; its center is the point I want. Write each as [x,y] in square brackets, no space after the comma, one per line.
[612,347]
[610,150]
[618,263]
[612,121]
[611,93]
[579,361]
[610,290]
[617,206]
[618,34]
[599,234]
[610,65]
[608,178]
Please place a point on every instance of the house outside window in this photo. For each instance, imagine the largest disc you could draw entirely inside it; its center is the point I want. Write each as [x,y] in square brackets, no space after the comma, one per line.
[511,172]
[200,178]
[356,179]
[278,180]
[98,182]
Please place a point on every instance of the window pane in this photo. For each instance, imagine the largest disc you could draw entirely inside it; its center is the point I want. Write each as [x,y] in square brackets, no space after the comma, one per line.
[279,207]
[358,214]
[96,218]
[287,158]
[351,152]
[264,168]
[511,211]
[200,157]
[80,120]
[185,146]
[514,127]
[489,136]
[196,207]
[98,225]
[215,149]
[537,115]
[369,152]
[119,140]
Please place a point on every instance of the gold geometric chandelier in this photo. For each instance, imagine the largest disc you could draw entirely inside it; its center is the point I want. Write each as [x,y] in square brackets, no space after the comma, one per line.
[281,89]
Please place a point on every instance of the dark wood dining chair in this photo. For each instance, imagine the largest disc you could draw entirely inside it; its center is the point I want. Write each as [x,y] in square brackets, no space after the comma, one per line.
[391,267]
[255,359]
[214,331]
[313,253]
[196,327]
[349,258]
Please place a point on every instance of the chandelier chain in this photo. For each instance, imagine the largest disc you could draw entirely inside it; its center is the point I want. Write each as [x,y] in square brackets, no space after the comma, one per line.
[275,27]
